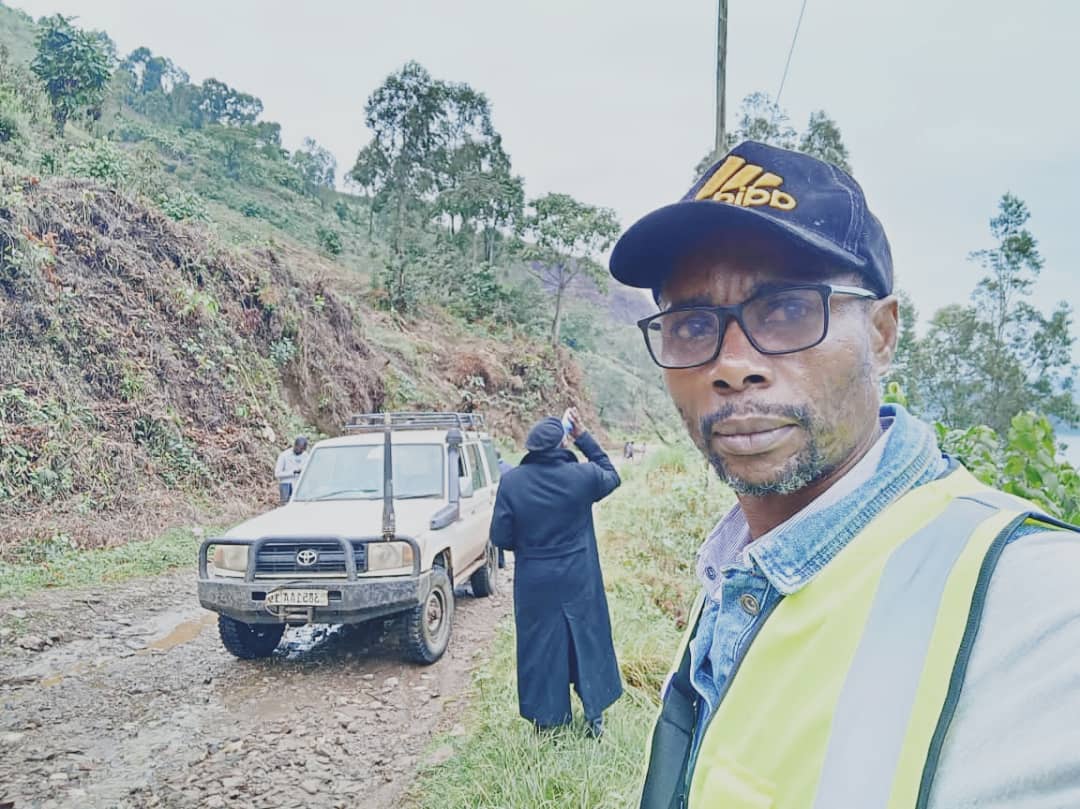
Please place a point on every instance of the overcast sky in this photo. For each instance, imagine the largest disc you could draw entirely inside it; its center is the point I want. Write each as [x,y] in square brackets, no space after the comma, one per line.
[944,104]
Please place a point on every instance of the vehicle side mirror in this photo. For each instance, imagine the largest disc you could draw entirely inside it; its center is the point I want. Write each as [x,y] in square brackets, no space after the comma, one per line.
[466,486]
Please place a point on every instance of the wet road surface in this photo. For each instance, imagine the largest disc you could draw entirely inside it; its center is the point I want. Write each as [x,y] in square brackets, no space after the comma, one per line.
[123,697]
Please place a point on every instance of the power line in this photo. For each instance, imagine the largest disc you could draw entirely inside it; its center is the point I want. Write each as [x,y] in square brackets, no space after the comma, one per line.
[791,50]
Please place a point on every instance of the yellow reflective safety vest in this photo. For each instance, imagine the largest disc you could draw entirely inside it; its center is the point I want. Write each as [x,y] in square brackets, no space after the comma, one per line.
[843,699]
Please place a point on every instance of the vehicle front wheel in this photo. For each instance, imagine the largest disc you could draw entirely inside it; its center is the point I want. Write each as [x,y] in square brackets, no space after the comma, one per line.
[249,641]
[485,580]
[428,624]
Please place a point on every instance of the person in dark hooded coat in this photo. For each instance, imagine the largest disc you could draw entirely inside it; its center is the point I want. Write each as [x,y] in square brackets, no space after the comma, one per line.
[543,513]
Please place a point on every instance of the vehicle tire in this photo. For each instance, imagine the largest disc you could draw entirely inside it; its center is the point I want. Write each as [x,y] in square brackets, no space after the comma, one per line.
[249,641]
[428,625]
[485,580]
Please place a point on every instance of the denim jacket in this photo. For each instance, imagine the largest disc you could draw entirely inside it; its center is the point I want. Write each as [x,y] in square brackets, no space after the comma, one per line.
[744,582]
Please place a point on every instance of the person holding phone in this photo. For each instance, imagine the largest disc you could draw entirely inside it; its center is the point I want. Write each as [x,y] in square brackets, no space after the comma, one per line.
[543,513]
[290,463]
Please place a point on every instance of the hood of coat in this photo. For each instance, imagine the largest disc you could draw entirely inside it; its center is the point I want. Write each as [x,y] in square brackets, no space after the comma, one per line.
[550,456]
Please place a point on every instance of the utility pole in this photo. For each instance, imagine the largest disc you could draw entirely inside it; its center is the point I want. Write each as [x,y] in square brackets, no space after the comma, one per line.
[721,62]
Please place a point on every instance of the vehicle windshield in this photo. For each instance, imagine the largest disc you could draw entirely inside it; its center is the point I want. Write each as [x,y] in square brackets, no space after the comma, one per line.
[356,473]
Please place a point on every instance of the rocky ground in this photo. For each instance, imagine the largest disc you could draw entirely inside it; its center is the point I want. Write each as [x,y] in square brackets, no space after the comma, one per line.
[122,697]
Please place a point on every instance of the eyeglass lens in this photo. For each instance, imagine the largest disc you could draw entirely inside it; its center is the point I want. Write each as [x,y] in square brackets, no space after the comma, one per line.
[778,322]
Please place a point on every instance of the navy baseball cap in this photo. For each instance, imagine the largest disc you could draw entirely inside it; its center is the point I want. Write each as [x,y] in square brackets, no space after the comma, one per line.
[804,204]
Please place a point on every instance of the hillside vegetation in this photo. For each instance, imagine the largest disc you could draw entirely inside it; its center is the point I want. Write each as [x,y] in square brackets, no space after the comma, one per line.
[178,301]
[147,360]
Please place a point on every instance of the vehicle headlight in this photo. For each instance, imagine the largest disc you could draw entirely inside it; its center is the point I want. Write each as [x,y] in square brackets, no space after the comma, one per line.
[389,555]
[230,560]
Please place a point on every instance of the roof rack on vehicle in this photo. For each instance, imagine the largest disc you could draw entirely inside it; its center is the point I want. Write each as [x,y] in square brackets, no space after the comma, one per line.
[405,420]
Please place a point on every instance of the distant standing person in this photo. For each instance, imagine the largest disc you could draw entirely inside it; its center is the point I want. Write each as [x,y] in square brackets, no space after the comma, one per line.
[543,513]
[290,464]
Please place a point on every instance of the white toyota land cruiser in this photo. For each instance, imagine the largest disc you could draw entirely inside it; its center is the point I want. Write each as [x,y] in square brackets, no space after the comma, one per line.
[384,520]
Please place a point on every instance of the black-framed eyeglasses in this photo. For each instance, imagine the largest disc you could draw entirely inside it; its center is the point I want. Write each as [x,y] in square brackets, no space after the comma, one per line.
[776,320]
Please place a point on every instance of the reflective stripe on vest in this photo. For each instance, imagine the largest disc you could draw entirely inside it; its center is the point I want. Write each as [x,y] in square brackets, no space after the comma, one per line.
[879,691]
[844,696]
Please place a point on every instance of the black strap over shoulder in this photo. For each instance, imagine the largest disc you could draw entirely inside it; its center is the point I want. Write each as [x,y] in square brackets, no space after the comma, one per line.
[669,756]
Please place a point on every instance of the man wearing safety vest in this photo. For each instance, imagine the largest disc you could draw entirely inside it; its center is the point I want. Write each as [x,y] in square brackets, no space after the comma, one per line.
[877,629]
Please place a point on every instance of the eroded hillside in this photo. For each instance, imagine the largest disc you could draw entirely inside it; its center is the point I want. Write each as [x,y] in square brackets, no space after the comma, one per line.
[149,373]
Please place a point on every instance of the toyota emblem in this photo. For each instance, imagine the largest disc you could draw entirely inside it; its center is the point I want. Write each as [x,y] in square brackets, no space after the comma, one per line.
[307,557]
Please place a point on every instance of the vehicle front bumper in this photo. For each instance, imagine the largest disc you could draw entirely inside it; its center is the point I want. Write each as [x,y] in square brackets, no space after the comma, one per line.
[350,601]
[353,597]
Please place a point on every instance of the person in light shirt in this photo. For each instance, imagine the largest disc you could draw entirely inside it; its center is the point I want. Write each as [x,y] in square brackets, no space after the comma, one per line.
[290,464]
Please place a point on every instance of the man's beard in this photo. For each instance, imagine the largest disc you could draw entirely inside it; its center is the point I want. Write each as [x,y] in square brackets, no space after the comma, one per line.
[804,468]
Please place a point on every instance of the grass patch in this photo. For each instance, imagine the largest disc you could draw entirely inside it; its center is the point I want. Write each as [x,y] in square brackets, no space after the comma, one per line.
[649,532]
[52,564]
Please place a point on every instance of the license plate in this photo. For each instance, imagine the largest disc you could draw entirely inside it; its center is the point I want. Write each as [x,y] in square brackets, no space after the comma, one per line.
[298,598]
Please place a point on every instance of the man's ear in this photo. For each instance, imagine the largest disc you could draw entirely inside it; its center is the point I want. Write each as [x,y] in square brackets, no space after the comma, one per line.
[884,332]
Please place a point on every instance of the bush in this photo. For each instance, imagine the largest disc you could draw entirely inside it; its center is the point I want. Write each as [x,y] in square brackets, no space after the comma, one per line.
[180,204]
[130,131]
[346,213]
[253,210]
[1024,463]
[282,351]
[526,306]
[475,293]
[581,329]
[164,441]
[9,127]
[329,240]
[49,163]
[99,160]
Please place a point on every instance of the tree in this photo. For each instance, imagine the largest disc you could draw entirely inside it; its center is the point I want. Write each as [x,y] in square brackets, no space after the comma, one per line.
[370,174]
[397,166]
[153,74]
[762,120]
[482,192]
[422,127]
[909,316]
[268,137]
[1028,354]
[236,143]
[822,140]
[501,207]
[986,362]
[221,104]
[1013,266]
[183,106]
[315,164]
[152,83]
[566,235]
[75,66]
[163,91]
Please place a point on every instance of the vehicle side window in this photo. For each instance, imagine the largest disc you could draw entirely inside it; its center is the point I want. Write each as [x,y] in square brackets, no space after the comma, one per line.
[492,461]
[462,470]
[479,479]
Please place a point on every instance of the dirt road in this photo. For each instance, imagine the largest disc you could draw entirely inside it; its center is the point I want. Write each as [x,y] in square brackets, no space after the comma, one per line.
[128,700]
